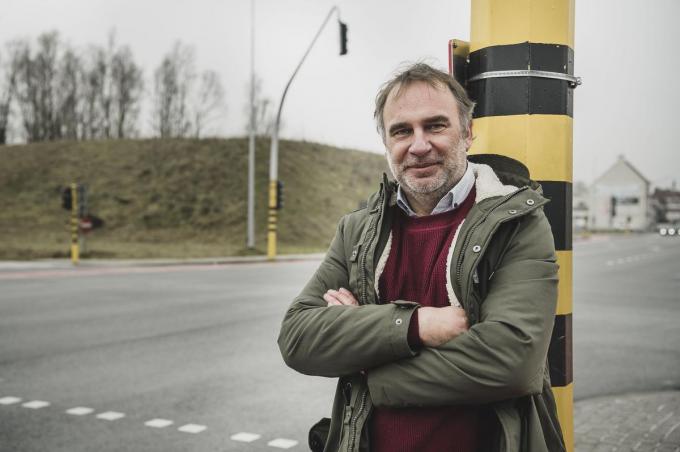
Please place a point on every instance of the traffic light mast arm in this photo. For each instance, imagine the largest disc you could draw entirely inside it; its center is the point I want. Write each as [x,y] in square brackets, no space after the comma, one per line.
[273,166]
[274,152]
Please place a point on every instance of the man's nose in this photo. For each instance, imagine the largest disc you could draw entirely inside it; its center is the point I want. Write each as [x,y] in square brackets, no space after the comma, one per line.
[420,145]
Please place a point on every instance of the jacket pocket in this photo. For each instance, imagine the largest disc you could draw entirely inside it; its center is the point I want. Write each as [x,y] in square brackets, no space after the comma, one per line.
[511,426]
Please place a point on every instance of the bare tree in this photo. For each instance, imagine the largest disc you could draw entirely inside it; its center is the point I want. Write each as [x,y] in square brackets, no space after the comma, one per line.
[208,102]
[36,88]
[173,80]
[92,87]
[68,96]
[97,81]
[127,91]
[264,111]
[8,77]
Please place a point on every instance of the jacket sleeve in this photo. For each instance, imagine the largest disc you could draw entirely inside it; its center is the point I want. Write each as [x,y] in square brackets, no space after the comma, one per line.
[500,357]
[331,341]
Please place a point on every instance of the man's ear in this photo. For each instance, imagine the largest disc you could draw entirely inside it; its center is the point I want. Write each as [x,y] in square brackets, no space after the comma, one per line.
[468,140]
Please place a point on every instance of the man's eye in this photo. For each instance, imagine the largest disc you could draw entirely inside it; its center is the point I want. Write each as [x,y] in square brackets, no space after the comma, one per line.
[400,132]
[436,127]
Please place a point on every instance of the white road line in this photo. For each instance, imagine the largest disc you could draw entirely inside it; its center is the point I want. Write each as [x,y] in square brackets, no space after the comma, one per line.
[245,437]
[282,443]
[158,423]
[192,428]
[80,411]
[663,419]
[9,400]
[110,415]
[36,404]
[668,433]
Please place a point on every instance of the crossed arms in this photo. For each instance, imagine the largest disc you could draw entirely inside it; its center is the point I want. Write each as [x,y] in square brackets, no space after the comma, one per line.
[502,356]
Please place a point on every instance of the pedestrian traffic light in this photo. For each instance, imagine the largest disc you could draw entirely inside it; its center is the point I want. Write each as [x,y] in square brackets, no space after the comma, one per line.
[343,38]
[279,194]
[66,198]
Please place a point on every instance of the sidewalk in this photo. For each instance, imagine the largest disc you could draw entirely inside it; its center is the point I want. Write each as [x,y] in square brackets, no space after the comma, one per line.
[42,264]
[642,422]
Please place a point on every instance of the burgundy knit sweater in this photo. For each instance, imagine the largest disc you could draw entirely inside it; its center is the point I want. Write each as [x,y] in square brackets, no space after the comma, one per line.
[416,271]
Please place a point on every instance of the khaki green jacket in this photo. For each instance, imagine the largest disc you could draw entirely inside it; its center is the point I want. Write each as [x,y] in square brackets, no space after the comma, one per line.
[502,270]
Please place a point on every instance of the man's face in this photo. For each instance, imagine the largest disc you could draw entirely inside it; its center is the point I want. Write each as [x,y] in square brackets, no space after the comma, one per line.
[423,140]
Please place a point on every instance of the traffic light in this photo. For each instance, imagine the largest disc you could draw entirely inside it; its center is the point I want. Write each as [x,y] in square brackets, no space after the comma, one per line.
[66,199]
[279,195]
[343,38]
[612,207]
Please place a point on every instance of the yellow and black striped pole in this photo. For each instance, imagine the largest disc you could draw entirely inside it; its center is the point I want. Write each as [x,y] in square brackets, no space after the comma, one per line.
[75,251]
[520,73]
[271,223]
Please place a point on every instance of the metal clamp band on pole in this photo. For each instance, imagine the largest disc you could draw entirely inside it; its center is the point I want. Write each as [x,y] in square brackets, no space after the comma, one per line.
[573,81]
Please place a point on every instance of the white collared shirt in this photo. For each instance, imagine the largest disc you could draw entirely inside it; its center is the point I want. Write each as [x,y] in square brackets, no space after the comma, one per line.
[449,201]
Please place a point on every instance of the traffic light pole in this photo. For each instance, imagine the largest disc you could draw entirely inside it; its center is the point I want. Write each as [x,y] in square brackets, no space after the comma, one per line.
[520,74]
[75,249]
[274,153]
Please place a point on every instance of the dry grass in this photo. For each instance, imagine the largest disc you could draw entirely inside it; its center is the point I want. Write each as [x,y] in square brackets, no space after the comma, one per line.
[175,198]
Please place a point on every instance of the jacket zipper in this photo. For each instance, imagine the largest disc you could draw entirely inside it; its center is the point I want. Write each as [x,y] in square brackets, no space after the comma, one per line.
[353,422]
[363,300]
[459,264]
[369,239]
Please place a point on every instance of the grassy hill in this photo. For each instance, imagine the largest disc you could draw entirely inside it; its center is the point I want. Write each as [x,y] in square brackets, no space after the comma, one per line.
[175,198]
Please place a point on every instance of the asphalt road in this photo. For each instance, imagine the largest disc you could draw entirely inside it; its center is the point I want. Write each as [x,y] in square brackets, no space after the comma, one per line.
[196,345]
[626,315]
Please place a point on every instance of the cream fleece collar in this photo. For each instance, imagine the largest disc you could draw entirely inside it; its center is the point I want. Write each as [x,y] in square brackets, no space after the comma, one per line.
[487,185]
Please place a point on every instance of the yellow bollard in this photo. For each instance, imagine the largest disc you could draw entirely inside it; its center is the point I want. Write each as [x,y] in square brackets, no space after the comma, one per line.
[271,223]
[75,250]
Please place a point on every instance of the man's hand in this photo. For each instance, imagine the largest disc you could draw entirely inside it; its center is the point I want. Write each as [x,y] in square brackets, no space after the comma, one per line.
[439,325]
[342,297]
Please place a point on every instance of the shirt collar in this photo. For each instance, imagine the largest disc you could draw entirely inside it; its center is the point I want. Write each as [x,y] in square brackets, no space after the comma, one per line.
[449,201]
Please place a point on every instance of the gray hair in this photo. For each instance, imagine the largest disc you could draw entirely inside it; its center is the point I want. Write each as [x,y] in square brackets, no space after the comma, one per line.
[422,72]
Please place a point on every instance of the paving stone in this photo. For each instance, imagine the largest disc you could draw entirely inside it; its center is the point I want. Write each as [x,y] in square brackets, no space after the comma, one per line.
[635,422]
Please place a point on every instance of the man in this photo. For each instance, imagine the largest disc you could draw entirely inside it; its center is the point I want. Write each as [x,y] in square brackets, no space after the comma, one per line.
[434,304]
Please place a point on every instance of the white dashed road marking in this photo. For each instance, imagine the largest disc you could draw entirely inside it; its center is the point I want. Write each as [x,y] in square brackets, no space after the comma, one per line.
[282,443]
[192,428]
[158,423]
[110,415]
[245,437]
[80,411]
[36,404]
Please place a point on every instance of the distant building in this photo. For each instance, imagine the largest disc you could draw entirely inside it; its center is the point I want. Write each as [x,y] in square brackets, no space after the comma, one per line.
[619,199]
[668,205]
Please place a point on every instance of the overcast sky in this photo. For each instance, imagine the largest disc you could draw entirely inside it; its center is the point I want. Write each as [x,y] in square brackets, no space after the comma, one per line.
[626,53]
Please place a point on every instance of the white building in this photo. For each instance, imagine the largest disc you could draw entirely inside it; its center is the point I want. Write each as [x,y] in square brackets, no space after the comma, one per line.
[619,199]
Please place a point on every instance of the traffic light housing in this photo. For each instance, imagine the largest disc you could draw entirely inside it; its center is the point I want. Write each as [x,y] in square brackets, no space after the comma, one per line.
[343,38]
[66,198]
[279,195]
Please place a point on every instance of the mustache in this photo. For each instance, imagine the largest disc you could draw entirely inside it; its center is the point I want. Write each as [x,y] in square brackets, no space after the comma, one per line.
[420,163]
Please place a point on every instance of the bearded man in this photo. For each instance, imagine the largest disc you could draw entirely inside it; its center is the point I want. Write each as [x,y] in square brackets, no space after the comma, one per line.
[434,305]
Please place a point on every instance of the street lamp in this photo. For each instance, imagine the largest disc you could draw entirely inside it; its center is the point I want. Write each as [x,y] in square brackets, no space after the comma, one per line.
[250,234]
[274,154]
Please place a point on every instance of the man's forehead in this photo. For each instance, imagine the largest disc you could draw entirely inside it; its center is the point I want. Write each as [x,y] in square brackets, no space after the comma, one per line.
[404,97]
